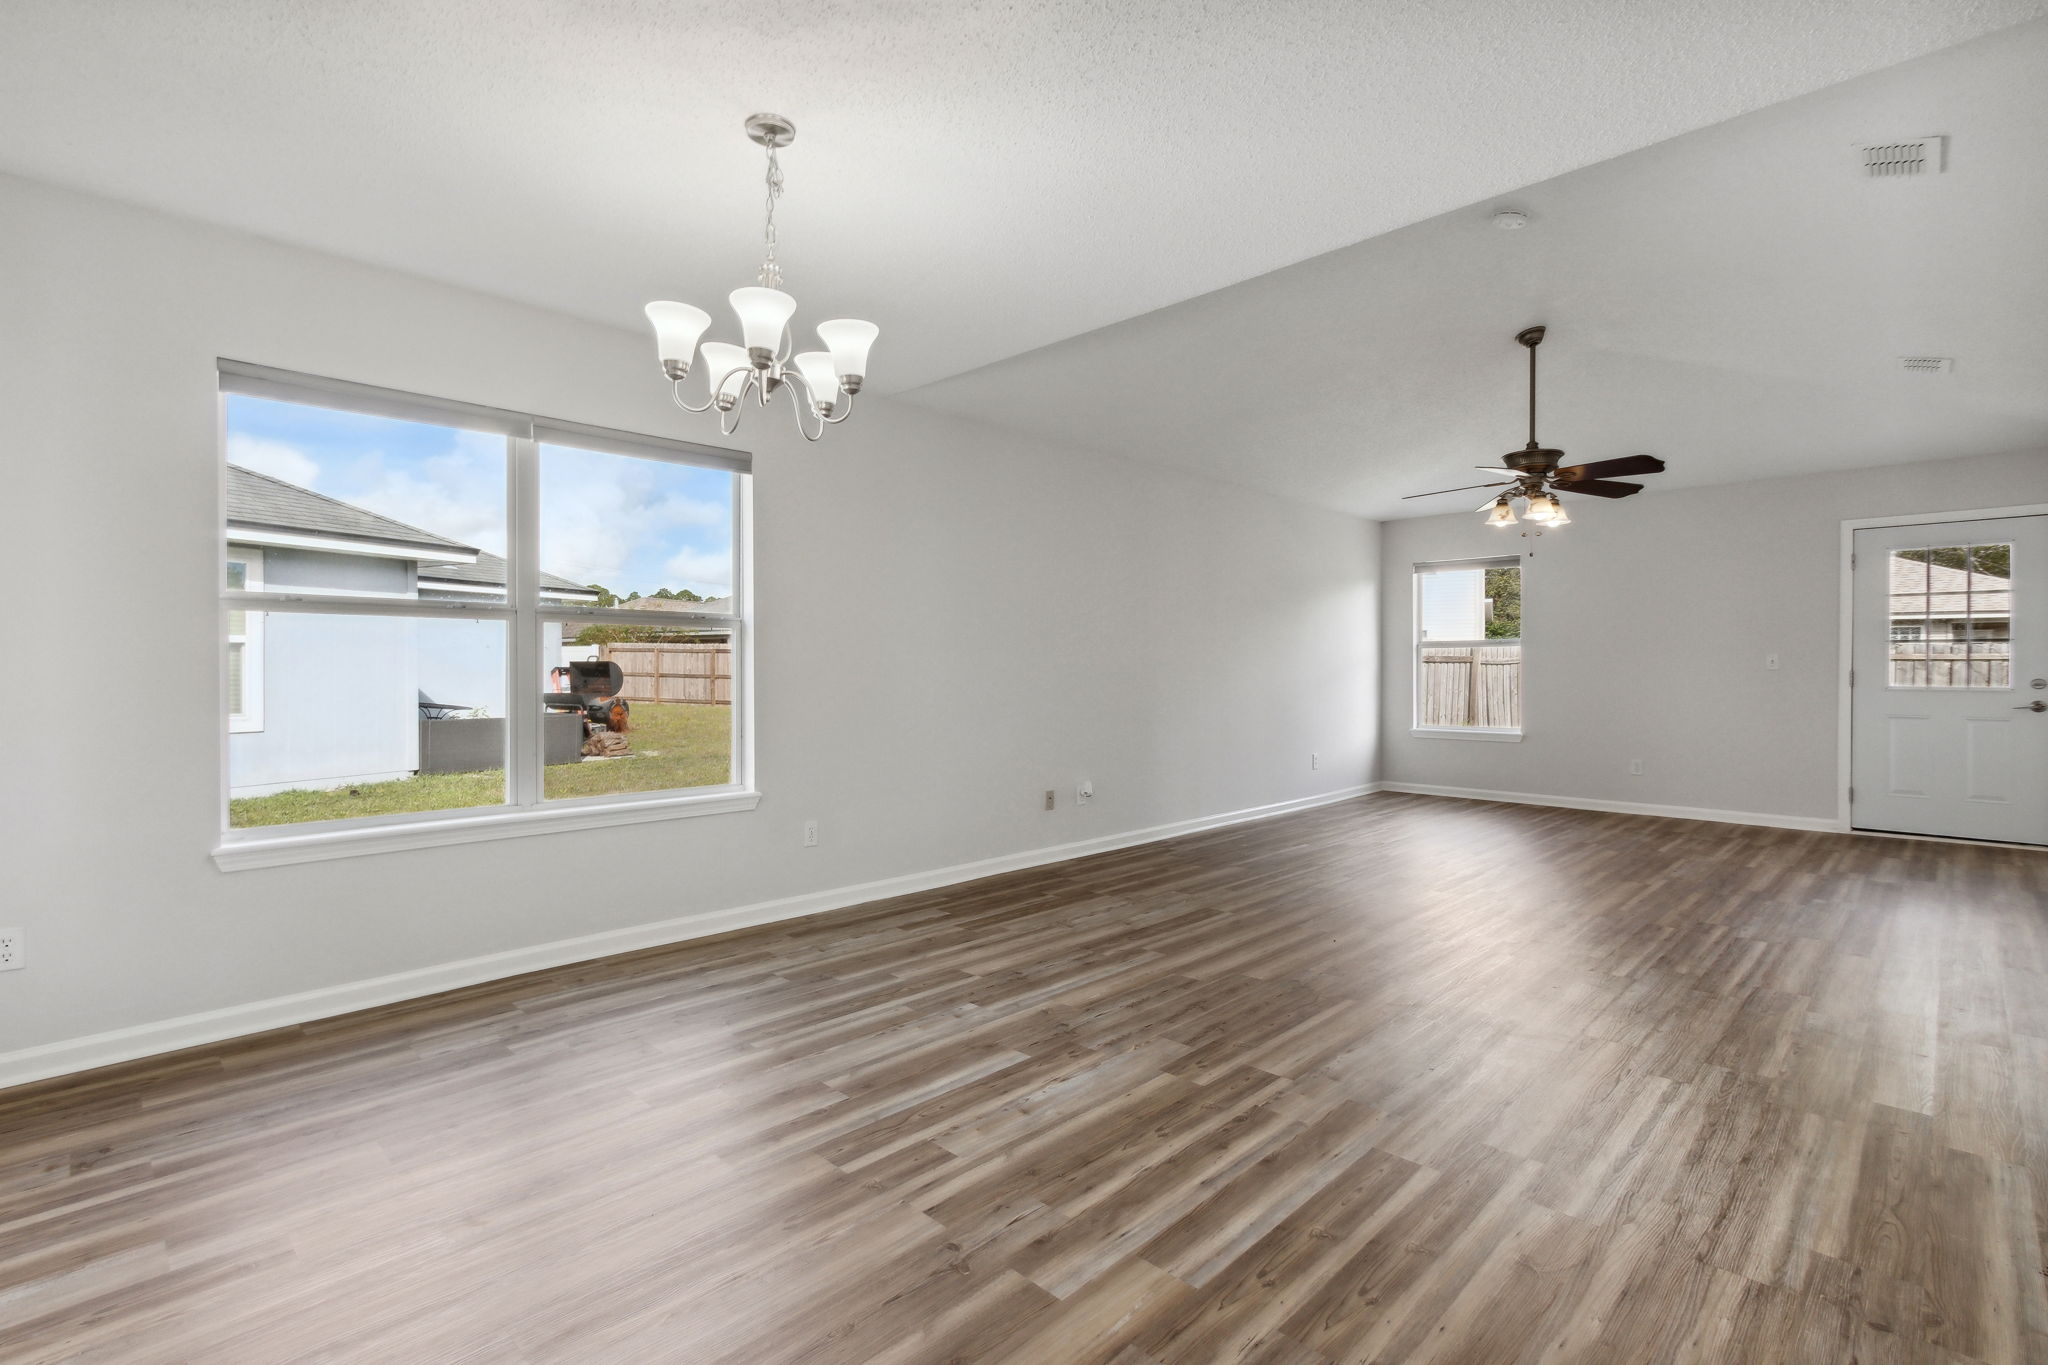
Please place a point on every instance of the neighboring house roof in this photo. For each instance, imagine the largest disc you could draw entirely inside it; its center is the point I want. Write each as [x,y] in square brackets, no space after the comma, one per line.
[1949,591]
[716,606]
[489,572]
[260,503]
[258,500]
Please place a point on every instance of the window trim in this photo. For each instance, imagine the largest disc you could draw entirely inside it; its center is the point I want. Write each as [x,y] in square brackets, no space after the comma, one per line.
[525,611]
[1488,733]
[248,720]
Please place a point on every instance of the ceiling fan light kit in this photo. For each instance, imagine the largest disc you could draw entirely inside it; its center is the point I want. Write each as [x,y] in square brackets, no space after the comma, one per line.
[820,383]
[1537,477]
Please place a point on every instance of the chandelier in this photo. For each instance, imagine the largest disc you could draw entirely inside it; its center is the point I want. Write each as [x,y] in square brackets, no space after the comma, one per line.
[820,383]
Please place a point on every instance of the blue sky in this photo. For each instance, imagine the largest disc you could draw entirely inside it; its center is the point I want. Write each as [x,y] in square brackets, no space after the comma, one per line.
[632,525]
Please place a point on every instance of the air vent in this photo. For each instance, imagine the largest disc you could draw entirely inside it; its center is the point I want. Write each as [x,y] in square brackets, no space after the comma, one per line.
[1915,156]
[1927,364]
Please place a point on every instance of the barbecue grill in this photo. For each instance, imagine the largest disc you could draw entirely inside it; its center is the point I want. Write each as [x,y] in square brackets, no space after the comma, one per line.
[592,689]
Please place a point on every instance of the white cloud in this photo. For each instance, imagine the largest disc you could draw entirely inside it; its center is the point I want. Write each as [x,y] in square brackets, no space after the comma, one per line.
[705,572]
[606,519]
[279,459]
[459,493]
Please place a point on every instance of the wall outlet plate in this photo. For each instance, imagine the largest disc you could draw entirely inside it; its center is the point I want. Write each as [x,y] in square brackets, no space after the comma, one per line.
[1048,798]
[810,834]
[12,956]
[1635,767]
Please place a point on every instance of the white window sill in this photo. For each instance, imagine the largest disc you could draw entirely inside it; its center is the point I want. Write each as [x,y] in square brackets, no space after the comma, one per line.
[1452,732]
[243,849]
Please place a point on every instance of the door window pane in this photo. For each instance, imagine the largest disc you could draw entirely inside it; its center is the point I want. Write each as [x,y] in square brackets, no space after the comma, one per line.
[371,715]
[635,709]
[1951,616]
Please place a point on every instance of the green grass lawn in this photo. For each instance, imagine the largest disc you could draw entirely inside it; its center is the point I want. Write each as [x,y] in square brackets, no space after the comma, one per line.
[673,746]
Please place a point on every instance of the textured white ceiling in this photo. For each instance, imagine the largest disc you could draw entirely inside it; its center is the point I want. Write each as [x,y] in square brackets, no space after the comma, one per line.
[981,178]
[1734,300]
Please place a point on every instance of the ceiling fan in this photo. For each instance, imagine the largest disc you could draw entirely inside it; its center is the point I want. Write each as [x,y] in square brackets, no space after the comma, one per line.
[1536,476]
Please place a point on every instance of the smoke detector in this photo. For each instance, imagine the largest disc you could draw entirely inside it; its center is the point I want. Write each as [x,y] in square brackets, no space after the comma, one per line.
[1903,159]
[1507,220]
[1927,364]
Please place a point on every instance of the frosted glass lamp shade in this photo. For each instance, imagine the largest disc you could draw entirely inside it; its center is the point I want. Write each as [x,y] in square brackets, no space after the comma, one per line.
[849,339]
[677,326]
[725,370]
[763,314]
[1502,514]
[1542,507]
[1560,517]
[819,378]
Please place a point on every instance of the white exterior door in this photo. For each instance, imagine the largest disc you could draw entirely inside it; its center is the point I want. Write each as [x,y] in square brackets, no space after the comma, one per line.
[1949,711]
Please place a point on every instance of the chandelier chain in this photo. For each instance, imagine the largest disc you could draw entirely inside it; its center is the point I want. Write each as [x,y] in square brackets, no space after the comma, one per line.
[771,273]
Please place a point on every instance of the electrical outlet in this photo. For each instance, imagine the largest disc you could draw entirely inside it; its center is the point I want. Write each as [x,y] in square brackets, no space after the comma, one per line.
[1084,793]
[1635,767]
[12,954]
[810,834]
[1315,761]
[1770,661]
[1048,798]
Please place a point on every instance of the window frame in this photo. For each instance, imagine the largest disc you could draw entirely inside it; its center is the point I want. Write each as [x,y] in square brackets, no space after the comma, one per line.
[1963,634]
[248,720]
[1484,733]
[524,611]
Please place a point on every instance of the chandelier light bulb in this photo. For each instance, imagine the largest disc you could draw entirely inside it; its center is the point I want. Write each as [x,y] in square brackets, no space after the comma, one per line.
[763,314]
[726,371]
[816,369]
[762,363]
[848,339]
[677,326]
[1502,514]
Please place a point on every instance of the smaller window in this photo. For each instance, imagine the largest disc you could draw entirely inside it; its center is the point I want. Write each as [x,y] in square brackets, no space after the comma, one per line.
[245,644]
[1468,647]
[1951,617]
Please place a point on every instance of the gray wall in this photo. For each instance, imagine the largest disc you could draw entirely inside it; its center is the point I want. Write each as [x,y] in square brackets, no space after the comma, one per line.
[1645,628]
[462,663]
[339,693]
[1184,643]
[340,697]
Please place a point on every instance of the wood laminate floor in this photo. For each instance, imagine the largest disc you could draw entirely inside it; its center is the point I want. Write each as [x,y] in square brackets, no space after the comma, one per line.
[1402,1080]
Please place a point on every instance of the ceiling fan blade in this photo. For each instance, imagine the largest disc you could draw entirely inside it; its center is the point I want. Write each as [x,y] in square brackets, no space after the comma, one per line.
[1466,489]
[1604,469]
[1484,505]
[1602,488]
[1495,469]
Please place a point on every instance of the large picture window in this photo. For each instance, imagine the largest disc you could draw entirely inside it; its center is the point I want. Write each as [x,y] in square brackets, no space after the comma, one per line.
[1468,648]
[439,613]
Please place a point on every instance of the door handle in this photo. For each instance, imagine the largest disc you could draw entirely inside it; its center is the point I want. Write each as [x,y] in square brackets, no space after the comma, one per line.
[2033,706]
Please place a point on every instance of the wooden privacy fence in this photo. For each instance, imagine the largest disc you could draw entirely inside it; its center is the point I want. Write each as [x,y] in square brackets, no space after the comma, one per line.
[1472,686]
[698,672]
[1952,663]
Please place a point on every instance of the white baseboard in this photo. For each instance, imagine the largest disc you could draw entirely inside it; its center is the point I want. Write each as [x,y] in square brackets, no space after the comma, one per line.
[212,1026]
[1821,824]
